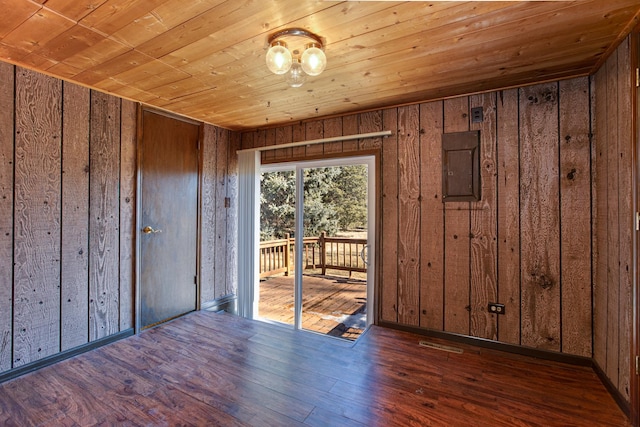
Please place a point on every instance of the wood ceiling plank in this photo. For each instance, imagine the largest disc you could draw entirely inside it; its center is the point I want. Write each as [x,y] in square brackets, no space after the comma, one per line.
[38,30]
[422,91]
[37,62]
[12,54]
[161,19]
[383,43]
[348,64]
[113,15]
[63,70]
[231,22]
[14,13]
[150,75]
[210,63]
[74,9]
[97,54]
[69,43]
[117,65]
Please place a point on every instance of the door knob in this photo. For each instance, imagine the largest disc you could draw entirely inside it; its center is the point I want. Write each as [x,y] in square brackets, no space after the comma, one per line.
[149,230]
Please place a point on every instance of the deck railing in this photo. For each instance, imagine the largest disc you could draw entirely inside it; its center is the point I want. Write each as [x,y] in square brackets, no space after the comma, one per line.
[323,253]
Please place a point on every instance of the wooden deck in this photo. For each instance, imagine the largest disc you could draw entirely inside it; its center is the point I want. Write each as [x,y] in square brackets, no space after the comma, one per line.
[333,306]
[221,370]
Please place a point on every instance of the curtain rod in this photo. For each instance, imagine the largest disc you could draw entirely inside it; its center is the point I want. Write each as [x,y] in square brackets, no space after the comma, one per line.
[318,141]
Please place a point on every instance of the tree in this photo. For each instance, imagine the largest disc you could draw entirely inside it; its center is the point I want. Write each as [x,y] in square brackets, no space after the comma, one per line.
[335,198]
[277,204]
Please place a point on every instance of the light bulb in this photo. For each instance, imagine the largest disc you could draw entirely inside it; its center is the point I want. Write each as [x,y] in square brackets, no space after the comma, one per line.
[313,60]
[296,77]
[279,58]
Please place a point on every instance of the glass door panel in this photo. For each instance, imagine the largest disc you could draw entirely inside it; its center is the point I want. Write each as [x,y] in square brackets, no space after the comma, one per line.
[276,259]
[335,250]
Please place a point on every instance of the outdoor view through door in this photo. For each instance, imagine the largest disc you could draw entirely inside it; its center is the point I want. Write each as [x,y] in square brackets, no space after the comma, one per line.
[334,250]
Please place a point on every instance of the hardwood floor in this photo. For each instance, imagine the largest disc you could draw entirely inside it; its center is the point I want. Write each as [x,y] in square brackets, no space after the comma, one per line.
[210,369]
[331,305]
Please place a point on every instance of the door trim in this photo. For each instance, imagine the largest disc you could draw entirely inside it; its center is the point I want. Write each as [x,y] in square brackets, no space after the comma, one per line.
[138,208]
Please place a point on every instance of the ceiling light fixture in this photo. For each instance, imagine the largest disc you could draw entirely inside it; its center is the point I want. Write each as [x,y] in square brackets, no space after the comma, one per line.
[280,60]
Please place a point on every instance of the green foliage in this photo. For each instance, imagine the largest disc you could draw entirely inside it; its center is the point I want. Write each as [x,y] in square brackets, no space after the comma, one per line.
[277,204]
[335,199]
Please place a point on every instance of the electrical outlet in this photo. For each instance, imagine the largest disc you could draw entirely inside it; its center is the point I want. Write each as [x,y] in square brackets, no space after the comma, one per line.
[477,115]
[496,308]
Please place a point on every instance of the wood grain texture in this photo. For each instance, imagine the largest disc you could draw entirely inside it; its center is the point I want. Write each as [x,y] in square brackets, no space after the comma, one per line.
[283,135]
[208,213]
[270,139]
[613,239]
[128,179]
[232,215]
[539,217]
[409,215]
[388,258]
[7,135]
[508,216]
[601,225]
[298,133]
[625,213]
[496,266]
[575,188]
[37,217]
[370,122]
[219,369]
[484,217]
[248,140]
[456,236]
[75,217]
[314,130]
[350,127]
[431,217]
[333,127]
[222,149]
[104,205]
[205,59]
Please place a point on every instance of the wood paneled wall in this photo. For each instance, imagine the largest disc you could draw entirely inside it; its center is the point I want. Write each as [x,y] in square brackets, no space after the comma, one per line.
[67,182]
[67,215]
[613,217]
[526,244]
[219,219]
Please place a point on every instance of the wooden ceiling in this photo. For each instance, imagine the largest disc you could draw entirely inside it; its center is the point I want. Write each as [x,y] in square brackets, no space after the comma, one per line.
[205,58]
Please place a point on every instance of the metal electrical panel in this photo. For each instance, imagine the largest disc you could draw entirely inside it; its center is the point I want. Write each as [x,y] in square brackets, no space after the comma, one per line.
[461,167]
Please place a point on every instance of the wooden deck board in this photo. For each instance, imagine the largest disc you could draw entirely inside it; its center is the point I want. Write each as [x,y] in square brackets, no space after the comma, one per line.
[326,302]
[218,369]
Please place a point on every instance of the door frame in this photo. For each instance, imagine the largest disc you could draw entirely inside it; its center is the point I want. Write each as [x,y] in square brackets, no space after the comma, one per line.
[372,159]
[138,208]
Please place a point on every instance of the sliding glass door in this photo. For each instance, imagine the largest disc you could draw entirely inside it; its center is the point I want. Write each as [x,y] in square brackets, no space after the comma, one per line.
[316,246]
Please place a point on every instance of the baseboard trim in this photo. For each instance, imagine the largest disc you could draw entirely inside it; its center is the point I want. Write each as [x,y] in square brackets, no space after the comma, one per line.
[228,303]
[58,357]
[493,345]
[613,390]
[524,351]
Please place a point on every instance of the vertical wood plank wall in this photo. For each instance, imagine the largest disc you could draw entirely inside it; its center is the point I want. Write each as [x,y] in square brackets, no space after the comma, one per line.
[66,178]
[441,264]
[67,215]
[613,217]
[218,219]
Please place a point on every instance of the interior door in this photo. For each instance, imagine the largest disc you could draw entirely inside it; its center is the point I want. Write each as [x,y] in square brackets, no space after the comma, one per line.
[169,218]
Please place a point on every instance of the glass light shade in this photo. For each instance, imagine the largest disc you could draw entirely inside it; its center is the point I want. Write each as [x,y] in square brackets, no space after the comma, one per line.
[313,60]
[296,77]
[279,58]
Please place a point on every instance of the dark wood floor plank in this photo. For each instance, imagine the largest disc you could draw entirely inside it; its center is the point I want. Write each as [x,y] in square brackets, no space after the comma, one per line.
[220,370]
